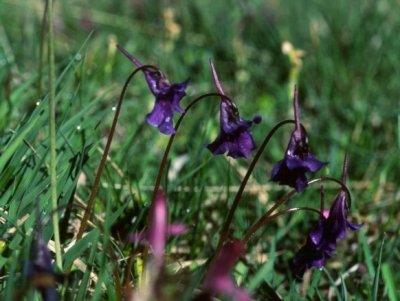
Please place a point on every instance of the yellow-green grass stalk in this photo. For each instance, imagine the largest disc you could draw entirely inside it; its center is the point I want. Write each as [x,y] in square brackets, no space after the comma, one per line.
[52,134]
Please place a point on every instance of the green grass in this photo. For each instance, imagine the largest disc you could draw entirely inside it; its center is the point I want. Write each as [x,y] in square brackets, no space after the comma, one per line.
[349,103]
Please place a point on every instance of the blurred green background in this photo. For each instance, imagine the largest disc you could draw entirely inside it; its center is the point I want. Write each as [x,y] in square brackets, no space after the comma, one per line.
[344,55]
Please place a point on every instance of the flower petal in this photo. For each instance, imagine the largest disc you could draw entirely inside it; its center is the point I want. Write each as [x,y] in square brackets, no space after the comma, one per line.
[218,146]
[246,145]
[178,92]
[311,164]
[162,117]
[295,178]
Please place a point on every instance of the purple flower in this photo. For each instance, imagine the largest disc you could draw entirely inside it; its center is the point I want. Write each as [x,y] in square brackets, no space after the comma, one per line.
[218,280]
[40,270]
[234,138]
[156,234]
[298,159]
[314,252]
[321,241]
[167,96]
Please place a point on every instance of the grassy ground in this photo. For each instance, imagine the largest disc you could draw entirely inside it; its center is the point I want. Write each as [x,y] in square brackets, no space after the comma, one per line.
[345,60]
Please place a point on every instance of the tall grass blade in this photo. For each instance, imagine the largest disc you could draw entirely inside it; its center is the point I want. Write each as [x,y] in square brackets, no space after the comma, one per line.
[375,286]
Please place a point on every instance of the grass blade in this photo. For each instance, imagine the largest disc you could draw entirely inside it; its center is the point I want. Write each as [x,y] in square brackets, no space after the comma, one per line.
[332,281]
[375,286]
[387,276]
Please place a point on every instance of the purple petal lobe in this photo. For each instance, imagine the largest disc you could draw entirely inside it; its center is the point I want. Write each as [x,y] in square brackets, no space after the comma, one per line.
[245,145]
[284,176]
[316,234]
[311,164]
[162,117]
[237,146]
[177,92]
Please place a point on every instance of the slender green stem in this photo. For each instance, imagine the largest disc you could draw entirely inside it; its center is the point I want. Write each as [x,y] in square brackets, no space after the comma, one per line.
[41,50]
[228,221]
[52,135]
[165,157]
[268,215]
[103,161]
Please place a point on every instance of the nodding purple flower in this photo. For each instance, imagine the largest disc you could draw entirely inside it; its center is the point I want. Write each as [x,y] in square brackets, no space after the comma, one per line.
[40,270]
[298,159]
[321,241]
[158,229]
[234,138]
[167,96]
[218,280]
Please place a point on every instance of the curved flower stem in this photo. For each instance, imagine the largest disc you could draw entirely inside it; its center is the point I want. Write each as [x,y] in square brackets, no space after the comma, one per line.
[341,183]
[225,229]
[268,215]
[103,161]
[254,229]
[172,137]
[165,158]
